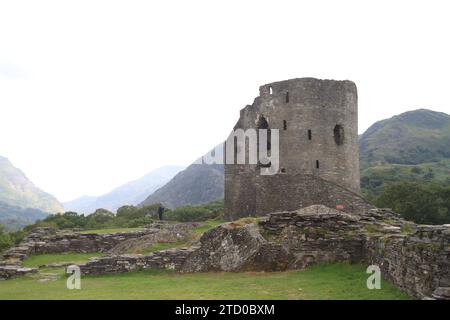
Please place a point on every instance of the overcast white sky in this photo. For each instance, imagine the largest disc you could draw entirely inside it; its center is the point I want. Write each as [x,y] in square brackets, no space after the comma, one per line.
[96,93]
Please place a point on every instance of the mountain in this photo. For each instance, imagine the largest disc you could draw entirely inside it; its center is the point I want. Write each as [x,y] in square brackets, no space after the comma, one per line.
[412,146]
[14,217]
[82,204]
[131,193]
[197,184]
[18,191]
[412,137]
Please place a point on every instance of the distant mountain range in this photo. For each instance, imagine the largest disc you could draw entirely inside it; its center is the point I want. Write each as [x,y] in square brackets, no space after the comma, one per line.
[414,145]
[21,202]
[197,184]
[131,193]
[14,217]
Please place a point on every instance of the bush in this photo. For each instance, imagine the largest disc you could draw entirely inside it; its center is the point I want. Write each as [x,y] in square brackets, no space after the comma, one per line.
[208,211]
[128,217]
[9,239]
[5,239]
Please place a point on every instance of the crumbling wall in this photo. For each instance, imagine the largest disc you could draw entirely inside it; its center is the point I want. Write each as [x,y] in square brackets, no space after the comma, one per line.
[281,241]
[12,271]
[171,259]
[417,263]
[46,240]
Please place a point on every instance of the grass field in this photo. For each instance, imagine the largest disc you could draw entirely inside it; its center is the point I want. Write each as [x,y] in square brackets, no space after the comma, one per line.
[336,281]
[207,225]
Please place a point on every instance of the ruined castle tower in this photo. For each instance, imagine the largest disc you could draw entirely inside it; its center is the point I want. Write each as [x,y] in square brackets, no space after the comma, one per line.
[318,150]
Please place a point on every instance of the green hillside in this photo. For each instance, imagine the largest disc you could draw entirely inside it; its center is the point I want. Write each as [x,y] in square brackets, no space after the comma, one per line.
[412,137]
[375,178]
[413,146]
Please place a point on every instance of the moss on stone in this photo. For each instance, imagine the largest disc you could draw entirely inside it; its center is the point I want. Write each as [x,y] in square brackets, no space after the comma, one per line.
[406,229]
[243,222]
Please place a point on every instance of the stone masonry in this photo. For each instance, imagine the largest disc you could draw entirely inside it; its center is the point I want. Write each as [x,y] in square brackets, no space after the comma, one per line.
[170,259]
[318,150]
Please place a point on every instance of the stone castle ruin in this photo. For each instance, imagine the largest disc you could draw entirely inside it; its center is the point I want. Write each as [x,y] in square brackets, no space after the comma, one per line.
[309,212]
[318,150]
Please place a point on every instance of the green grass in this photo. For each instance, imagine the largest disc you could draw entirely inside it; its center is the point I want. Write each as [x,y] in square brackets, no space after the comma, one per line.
[112,230]
[163,246]
[207,225]
[35,261]
[336,281]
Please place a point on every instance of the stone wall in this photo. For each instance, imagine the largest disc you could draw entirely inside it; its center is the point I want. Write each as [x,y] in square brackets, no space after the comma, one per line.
[299,190]
[418,263]
[46,240]
[12,271]
[285,240]
[171,259]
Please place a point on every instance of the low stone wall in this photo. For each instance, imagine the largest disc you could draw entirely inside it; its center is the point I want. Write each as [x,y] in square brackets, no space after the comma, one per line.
[11,271]
[46,240]
[419,263]
[171,259]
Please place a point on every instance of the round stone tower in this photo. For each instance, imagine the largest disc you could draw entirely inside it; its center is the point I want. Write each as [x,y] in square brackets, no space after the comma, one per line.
[318,149]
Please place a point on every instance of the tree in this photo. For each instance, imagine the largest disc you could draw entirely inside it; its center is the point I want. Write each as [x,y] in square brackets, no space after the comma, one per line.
[428,204]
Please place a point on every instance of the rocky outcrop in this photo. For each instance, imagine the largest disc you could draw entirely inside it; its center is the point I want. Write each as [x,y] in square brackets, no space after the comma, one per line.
[226,248]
